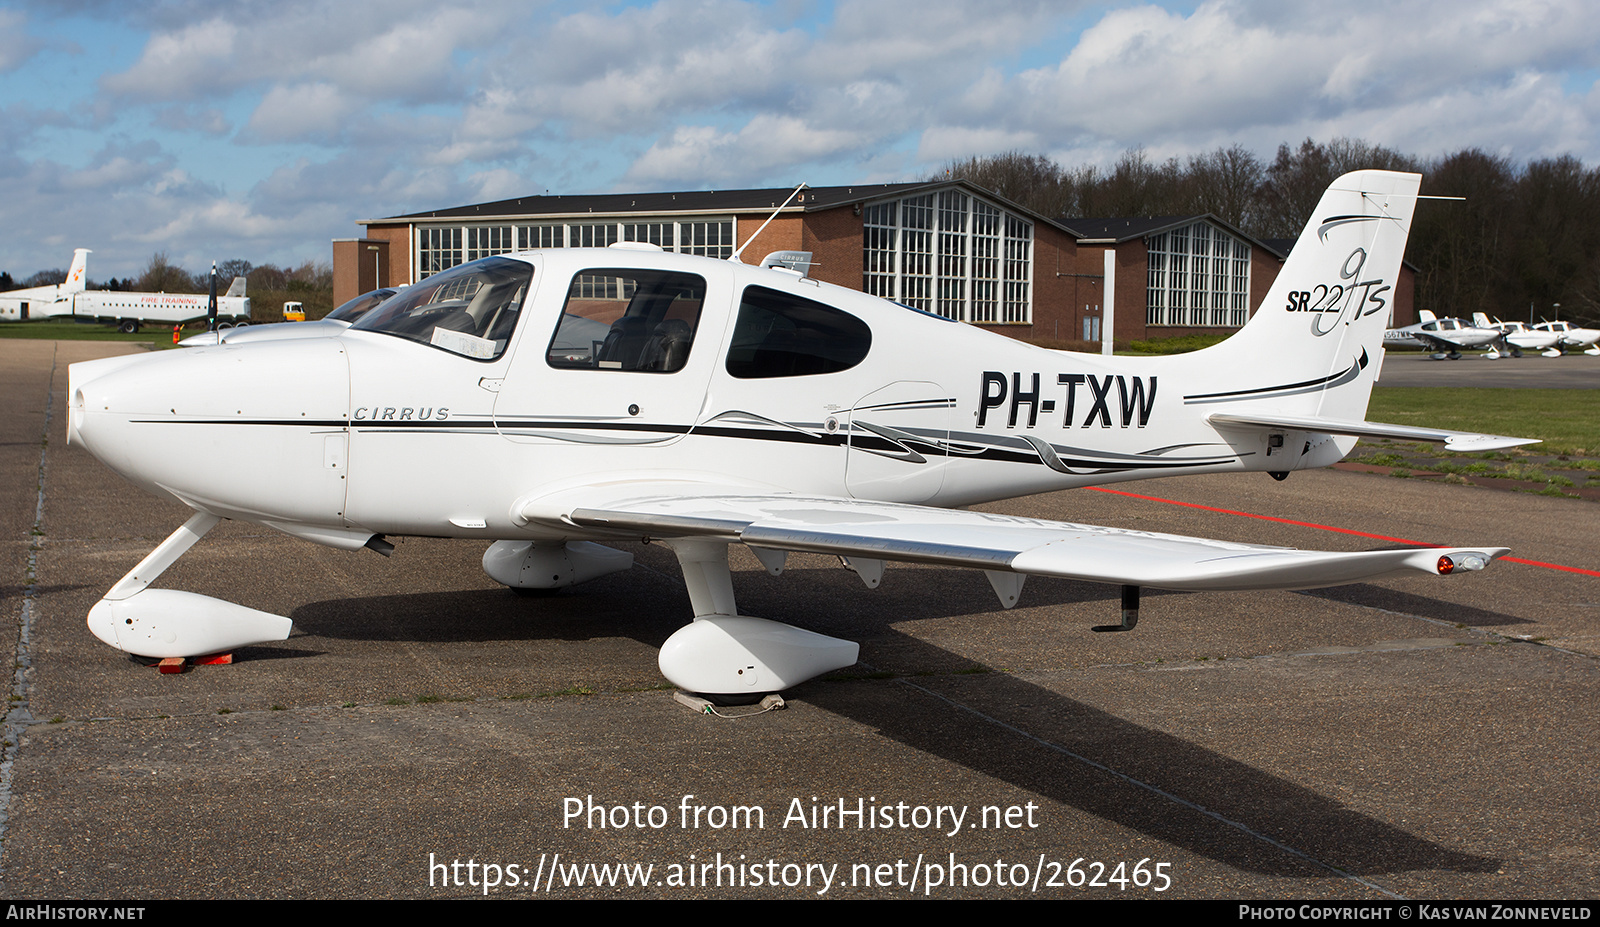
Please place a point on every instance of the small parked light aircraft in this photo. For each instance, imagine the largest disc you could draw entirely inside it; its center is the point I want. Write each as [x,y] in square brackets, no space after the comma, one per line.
[333,323]
[1573,337]
[1447,337]
[1516,337]
[547,401]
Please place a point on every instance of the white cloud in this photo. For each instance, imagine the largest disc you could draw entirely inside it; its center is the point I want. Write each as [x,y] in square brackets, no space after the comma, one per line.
[766,145]
[301,112]
[440,102]
[183,65]
[948,143]
[497,184]
[16,45]
[1234,71]
[690,151]
[410,53]
[205,120]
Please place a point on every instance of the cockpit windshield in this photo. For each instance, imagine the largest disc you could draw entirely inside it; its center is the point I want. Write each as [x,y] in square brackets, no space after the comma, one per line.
[469,310]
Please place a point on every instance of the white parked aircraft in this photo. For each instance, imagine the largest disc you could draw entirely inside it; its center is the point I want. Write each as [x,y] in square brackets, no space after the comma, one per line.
[1516,337]
[124,309]
[1447,337]
[43,301]
[549,400]
[128,311]
[333,323]
[1572,337]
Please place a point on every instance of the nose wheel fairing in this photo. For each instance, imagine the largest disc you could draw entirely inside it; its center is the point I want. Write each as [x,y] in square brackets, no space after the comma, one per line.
[163,623]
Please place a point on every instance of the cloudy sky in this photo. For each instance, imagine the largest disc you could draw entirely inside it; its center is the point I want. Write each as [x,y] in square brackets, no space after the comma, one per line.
[261,130]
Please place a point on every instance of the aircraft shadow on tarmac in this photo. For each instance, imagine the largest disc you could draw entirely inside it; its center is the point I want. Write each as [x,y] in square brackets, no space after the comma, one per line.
[1049,733]
[1368,595]
[1027,736]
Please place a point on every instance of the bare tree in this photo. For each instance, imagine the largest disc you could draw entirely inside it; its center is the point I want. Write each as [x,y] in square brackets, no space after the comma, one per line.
[1227,183]
[1028,180]
[1136,186]
[234,267]
[44,278]
[1458,246]
[162,276]
[1558,238]
[1297,178]
[268,277]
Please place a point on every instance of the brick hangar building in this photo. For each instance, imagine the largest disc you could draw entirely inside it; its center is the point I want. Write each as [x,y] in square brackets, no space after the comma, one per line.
[948,247]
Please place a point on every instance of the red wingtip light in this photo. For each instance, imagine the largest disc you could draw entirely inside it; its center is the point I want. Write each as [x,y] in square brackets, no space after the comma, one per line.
[1446,565]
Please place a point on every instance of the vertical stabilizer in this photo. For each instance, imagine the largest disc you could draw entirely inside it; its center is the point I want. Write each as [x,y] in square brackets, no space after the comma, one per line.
[1315,345]
[77,277]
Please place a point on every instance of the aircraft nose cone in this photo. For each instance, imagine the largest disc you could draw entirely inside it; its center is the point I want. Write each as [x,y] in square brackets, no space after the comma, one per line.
[85,391]
[246,430]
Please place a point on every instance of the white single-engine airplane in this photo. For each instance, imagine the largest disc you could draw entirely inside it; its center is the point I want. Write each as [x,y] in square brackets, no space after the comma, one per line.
[1572,337]
[333,323]
[1447,337]
[1516,337]
[548,400]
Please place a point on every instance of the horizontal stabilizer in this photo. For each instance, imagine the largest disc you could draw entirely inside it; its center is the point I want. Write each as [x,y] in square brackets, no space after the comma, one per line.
[886,531]
[1454,440]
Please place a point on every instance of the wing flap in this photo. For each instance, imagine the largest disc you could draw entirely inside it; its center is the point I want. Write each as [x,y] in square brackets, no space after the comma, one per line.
[980,540]
[1454,440]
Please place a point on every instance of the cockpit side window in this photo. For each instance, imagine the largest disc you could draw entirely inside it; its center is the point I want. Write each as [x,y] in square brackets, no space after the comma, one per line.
[781,335]
[628,319]
[469,310]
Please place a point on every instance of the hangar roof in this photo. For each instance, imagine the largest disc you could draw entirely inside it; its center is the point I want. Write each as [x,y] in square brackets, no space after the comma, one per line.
[812,199]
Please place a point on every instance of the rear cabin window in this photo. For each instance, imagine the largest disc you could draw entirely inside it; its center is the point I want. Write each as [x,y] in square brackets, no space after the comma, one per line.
[781,335]
[628,319]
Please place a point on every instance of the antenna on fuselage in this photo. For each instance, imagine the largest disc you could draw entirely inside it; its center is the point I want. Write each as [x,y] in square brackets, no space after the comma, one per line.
[740,250]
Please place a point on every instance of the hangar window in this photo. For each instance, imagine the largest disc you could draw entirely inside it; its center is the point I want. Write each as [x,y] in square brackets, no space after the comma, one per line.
[1199,275]
[469,310]
[780,335]
[628,319]
[487,241]
[530,237]
[952,254]
[707,239]
[442,248]
[438,250]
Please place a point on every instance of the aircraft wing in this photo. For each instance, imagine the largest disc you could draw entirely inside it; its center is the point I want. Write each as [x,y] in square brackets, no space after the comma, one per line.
[1435,342]
[952,537]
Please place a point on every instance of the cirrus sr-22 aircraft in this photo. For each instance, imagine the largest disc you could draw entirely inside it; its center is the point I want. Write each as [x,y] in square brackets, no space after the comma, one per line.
[580,396]
[1447,337]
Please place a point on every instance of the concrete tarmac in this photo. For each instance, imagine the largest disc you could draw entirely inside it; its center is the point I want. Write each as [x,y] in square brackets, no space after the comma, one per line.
[1422,737]
[1530,371]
